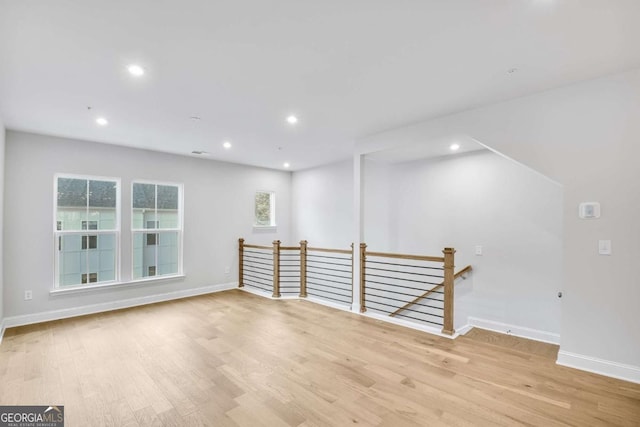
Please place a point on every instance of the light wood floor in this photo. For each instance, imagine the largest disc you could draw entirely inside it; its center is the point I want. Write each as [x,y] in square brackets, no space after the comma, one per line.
[235,359]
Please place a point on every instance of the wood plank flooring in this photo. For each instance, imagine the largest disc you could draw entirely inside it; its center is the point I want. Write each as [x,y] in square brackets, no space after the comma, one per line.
[236,359]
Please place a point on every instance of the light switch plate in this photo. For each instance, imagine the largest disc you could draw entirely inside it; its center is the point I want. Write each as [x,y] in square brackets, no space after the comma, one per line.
[604,247]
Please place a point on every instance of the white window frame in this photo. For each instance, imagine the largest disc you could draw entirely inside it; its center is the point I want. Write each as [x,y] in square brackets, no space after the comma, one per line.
[179,230]
[57,234]
[272,211]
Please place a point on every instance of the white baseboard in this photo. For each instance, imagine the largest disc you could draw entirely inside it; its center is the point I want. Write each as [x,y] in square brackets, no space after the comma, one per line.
[406,324]
[463,330]
[327,303]
[2,328]
[518,331]
[599,366]
[295,297]
[257,292]
[47,316]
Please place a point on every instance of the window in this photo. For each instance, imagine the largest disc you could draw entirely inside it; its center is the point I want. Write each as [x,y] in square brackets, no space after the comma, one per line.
[89,242]
[152,238]
[89,225]
[265,209]
[86,203]
[156,207]
[93,278]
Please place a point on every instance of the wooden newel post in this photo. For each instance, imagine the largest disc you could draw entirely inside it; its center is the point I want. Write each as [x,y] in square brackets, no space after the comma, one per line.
[447,328]
[240,261]
[303,268]
[363,251]
[276,268]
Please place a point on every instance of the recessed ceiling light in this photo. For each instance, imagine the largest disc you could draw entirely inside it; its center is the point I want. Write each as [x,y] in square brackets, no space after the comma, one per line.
[226,145]
[135,70]
[102,121]
[292,120]
[286,164]
[454,147]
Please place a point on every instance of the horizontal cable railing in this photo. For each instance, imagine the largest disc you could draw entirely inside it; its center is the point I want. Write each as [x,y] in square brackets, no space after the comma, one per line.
[329,274]
[414,288]
[289,278]
[256,266]
[325,274]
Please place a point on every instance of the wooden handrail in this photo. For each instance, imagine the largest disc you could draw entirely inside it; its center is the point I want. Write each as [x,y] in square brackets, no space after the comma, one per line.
[257,247]
[467,269]
[335,251]
[405,256]
[289,248]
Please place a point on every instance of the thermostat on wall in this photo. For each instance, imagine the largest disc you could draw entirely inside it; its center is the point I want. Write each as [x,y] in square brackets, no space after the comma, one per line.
[589,210]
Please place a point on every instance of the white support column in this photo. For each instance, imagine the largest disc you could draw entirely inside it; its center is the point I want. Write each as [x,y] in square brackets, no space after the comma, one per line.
[358,231]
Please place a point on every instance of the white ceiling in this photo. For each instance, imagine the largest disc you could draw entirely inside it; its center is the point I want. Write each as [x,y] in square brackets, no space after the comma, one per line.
[347,69]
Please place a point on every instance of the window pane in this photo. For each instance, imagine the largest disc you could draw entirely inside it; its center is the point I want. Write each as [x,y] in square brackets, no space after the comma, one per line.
[167,219]
[167,197]
[96,263]
[144,196]
[72,192]
[72,203]
[102,194]
[71,218]
[263,208]
[167,253]
[167,214]
[157,252]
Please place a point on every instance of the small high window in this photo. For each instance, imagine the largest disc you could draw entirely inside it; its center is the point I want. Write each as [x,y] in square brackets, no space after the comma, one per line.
[265,209]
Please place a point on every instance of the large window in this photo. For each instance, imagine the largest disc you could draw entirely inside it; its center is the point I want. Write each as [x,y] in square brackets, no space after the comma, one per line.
[86,204]
[265,209]
[157,229]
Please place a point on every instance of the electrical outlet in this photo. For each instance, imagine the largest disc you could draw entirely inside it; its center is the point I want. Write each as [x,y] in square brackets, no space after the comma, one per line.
[28,295]
[227,270]
[478,250]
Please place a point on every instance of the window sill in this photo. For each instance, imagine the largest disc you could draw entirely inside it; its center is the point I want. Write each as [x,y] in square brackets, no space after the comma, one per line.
[265,228]
[90,288]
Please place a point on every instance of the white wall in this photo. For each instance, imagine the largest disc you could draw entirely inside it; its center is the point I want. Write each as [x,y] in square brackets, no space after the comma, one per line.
[2,148]
[479,198]
[376,208]
[322,205]
[584,136]
[218,207]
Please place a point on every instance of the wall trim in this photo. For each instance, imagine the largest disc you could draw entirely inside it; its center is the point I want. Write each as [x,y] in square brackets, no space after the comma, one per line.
[46,316]
[258,292]
[2,329]
[607,368]
[518,331]
[316,300]
[411,325]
